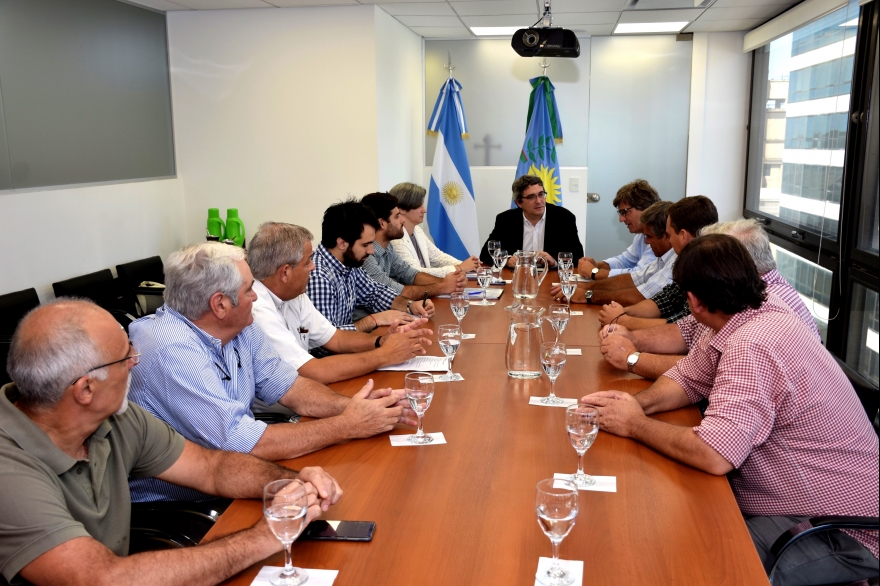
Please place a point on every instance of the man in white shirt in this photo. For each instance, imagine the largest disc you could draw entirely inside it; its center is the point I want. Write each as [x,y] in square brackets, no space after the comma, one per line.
[280,258]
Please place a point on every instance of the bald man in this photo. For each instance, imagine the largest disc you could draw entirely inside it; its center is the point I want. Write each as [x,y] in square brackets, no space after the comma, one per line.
[69,440]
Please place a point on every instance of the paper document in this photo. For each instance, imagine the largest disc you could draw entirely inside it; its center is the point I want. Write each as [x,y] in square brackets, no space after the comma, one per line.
[575,313]
[438,378]
[477,293]
[603,483]
[573,352]
[398,441]
[316,577]
[423,363]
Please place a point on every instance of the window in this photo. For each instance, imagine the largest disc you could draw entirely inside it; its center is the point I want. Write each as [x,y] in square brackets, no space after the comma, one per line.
[863,347]
[812,282]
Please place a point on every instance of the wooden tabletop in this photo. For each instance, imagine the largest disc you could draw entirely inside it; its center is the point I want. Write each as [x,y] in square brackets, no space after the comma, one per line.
[464,513]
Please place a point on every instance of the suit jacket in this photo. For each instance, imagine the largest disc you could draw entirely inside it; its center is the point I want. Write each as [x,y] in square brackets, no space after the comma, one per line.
[560,233]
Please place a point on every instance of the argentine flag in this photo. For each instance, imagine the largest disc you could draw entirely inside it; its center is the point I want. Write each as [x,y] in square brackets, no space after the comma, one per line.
[452,213]
[543,133]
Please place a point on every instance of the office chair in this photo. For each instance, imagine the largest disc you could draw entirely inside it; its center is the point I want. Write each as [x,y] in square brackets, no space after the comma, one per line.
[13,307]
[101,288]
[132,274]
[159,529]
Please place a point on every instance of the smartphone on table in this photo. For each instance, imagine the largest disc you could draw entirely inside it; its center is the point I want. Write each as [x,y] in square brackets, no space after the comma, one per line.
[339,531]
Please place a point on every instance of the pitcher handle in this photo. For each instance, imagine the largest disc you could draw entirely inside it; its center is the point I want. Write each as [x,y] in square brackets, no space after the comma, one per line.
[544,272]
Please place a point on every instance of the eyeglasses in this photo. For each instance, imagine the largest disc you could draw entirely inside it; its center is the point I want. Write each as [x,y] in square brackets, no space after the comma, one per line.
[542,195]
[624,211]
[134,356]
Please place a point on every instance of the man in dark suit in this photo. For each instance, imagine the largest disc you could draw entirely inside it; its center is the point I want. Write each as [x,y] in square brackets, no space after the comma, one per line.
[535,225]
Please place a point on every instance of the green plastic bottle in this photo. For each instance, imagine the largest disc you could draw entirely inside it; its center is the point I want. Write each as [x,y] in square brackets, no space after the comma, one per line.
[216,227]
[234,227]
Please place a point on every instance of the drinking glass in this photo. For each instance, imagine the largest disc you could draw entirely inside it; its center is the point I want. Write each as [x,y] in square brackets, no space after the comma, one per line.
[552,361]
[559,315]
[556,504]
[500,257]
[450,339]
[568,284]
[565,261]
[459,302]
[493,246]
[285,504]
[582,424]
[419,392]
[484,278]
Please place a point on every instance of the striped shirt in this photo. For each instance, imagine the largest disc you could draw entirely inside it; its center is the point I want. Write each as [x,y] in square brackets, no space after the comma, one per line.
[785,416]
[651,279]
[637,256]
[386,267]
[336,289]
[202,388]
[691,329]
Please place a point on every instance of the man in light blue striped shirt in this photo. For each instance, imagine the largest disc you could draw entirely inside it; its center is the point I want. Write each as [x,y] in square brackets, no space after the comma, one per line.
[204,362]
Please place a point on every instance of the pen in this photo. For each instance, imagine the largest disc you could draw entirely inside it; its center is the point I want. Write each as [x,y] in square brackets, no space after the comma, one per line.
[425,301]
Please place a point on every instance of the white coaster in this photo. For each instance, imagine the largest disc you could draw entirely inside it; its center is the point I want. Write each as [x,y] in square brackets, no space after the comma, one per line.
[603,483]
[565,402]
[438,378]
[573,567]
[469,336]
[576,313]
[316,577]
[398,441]
[573,352]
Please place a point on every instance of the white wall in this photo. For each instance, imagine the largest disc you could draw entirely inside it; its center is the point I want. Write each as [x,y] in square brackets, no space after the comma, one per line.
[718,133]
[272,116]
[399,102]
[56,234]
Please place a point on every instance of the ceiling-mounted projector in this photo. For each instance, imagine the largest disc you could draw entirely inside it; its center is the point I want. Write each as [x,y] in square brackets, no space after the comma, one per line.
[545,42]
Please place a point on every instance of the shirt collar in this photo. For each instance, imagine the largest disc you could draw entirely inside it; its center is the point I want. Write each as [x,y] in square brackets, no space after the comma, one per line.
[772,277]
[332,262]
[206,338]
[668,256]
[263,290]
[379,250]
[543,217]
[31,438]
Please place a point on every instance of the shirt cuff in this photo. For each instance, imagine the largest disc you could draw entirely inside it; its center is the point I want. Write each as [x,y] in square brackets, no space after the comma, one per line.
[726,438]
[675,374]
[615,272]
[245,435]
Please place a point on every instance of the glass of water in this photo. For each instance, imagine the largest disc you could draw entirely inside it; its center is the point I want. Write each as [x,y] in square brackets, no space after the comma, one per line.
[459,302]
[559,315]
[565,261]
[500,259]
[582,424]
[556,504]
[285,504]
[568,284]
[493,246]
[419,388]
[450,339]
[552,361]
[484,279]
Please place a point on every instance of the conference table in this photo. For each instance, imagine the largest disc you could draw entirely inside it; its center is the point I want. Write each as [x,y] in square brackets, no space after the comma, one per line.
[464,512]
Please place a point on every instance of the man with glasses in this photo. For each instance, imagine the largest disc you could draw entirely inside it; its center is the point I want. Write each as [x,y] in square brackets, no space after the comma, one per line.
[534,225]
[68,444]
[631,200]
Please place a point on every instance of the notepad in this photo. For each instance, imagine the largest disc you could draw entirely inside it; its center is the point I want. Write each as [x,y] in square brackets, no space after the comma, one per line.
[423,363]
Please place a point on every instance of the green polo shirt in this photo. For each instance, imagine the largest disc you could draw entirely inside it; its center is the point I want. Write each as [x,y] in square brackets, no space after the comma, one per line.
[48,498]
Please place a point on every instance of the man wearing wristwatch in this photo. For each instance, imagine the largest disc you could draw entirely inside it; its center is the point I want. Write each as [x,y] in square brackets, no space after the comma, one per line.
[279,256]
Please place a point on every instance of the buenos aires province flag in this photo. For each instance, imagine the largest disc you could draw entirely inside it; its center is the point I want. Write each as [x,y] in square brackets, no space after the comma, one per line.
[452,213]
[543,133]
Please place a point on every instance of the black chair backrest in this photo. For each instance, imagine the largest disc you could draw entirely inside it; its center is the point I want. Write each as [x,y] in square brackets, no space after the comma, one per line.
[132,274]
[104,290]
[13,307]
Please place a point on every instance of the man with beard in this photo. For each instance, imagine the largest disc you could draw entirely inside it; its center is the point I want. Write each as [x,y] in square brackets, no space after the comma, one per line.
[385,267]
[338,284]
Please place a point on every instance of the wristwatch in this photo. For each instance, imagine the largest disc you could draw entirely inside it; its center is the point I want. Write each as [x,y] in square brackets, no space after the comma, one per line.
[589,296]
[594,272]
[631,360]
[408,304]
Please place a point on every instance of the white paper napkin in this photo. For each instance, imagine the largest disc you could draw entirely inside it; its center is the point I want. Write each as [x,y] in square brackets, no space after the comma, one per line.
[403,440]
[573,352]
[565,402]
[603,483]
[469,336]
[316,577]
[573,567]
[576,313]
[438,378]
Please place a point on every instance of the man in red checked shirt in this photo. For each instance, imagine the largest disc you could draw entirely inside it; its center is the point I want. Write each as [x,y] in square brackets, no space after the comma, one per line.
[783,421]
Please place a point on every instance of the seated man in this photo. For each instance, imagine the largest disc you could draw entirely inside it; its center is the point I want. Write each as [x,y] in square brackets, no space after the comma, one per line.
[385,267]
[684,220]
[69,441]
[415,248]
[338,284]
[651,352]
[534,225]
[280,258]
[630,288]
[783,421]
[205,362]
[631,200]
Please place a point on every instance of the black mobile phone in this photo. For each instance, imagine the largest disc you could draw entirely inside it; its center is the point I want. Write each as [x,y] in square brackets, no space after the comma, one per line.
[339,531]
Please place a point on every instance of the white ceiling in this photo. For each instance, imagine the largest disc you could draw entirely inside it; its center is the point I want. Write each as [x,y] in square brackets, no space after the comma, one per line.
[453,18]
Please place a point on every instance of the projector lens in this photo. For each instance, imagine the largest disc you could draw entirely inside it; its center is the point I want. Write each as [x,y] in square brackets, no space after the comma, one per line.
[530,38]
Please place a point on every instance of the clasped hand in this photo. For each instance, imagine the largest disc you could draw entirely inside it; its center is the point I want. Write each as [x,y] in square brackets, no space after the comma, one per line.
[618,411]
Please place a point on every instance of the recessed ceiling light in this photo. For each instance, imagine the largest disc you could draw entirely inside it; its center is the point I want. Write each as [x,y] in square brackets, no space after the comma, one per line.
[648,27]
[495,31]
[853,22]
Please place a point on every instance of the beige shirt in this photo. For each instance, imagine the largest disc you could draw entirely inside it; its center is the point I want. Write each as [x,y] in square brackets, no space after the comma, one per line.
[48,498]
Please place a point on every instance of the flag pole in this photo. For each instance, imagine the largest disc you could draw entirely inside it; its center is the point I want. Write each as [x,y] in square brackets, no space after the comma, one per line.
[449,66]
[544,65]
